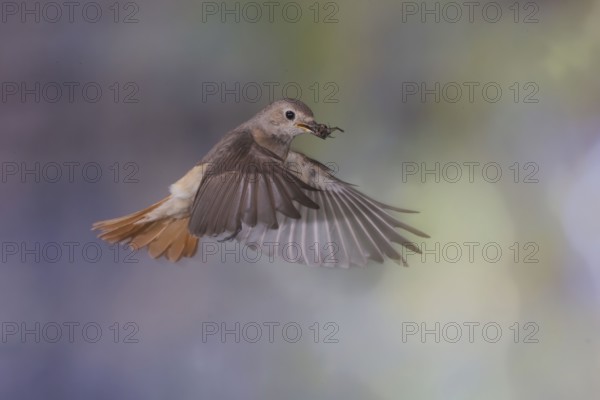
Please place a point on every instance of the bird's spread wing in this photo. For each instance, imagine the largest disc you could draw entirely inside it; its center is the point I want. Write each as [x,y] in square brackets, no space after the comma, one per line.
[348,227]
[246,186]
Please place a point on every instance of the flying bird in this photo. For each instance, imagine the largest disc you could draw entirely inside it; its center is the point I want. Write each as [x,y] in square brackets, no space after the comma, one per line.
[251,187]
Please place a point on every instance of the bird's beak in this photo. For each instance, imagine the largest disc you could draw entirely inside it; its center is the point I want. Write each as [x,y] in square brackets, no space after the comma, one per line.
[319,130]
[311,127]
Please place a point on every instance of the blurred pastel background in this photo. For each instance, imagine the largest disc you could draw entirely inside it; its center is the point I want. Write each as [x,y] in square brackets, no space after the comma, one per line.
[362,62]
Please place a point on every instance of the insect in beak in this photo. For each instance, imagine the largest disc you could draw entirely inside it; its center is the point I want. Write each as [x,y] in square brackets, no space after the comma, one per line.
[320,130]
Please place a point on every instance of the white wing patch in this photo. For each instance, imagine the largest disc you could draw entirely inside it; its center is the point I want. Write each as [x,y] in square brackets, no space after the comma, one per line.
[182,196]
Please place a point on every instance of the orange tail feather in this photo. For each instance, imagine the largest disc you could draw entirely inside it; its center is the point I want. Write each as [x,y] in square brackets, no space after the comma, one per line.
[168,237]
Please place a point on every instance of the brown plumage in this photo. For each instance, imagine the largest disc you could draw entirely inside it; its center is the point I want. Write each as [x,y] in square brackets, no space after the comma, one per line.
[252,188]
[167,236]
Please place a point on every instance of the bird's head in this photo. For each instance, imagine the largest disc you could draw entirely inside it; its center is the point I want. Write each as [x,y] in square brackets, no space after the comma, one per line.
[288,118]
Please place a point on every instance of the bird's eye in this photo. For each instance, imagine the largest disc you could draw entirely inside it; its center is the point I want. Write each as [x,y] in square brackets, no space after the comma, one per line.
[290,115]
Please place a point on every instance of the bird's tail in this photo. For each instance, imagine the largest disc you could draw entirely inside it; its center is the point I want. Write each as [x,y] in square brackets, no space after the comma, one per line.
[166,236]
